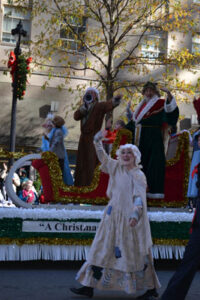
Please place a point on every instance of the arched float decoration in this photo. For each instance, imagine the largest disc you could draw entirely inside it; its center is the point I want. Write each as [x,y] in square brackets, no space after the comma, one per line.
[55,191]
[24,161]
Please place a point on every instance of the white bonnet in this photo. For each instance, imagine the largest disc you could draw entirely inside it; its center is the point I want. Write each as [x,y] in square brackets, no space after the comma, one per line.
[50,116]
[93,89]
[135,150]
[48,121]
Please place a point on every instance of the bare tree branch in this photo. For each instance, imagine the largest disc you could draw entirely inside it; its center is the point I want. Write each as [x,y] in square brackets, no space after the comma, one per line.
[79,37]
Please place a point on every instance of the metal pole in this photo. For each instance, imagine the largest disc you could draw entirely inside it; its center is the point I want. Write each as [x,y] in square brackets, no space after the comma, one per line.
[18,30]
[13,121]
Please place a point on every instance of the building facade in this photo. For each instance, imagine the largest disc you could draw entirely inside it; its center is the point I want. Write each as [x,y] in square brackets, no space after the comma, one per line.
[38,101]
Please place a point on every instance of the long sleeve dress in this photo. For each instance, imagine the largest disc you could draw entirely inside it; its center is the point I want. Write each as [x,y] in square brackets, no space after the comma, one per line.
[120,256]
[67,177]
[91,123]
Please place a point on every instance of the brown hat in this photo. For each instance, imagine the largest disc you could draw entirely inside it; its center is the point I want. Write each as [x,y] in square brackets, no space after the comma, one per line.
[151,85]
[58,121]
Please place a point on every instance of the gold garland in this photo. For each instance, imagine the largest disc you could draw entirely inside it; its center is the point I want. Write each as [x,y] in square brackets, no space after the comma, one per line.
[183,144]
[192,131]
[118,138]
[51,160]
[57,183]
[170,242]
[155,203]
[45,241]
[56,176]
[81,200]
[77,242]
[7,154]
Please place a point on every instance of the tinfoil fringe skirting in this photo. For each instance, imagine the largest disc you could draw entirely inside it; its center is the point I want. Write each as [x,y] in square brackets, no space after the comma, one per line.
[55,253]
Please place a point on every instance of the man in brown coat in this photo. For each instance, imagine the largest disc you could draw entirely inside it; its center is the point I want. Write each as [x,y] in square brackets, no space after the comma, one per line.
[91,114]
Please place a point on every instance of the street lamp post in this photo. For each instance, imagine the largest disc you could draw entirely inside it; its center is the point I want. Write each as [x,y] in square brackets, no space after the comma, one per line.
[20,32]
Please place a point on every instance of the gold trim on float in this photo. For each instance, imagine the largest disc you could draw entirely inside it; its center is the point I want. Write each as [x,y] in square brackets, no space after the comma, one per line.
[7,154]
[51,161]
[77,241]
[170,242]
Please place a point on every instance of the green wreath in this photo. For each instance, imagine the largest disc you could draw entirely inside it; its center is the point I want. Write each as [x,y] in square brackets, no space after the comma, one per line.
[22,71]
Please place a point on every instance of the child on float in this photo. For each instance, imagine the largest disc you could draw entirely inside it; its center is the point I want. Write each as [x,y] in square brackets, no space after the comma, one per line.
[54,141]
[120,256]
[27,194]
[48,126]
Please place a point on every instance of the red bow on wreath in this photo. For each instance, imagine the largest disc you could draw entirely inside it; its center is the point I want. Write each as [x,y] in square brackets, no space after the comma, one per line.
[12,63]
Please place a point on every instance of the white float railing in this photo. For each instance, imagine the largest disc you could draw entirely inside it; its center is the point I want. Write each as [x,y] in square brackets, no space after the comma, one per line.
[24,161]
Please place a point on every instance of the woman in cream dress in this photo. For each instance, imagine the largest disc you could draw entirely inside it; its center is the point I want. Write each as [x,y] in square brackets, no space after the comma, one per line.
[120,256]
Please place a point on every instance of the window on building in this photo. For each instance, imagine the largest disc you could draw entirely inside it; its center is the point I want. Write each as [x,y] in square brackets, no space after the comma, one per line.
[196,43]
[154,44]
[70,36]
[11,17]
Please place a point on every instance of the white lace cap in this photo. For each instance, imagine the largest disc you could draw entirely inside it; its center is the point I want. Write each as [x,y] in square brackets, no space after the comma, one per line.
[93,89]
[50,116]
[134,149]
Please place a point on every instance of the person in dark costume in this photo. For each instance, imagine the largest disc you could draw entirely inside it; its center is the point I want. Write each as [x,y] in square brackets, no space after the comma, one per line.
[180,282]
[149,123]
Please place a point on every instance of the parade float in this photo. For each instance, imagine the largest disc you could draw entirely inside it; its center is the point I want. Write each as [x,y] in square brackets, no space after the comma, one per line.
[62,228]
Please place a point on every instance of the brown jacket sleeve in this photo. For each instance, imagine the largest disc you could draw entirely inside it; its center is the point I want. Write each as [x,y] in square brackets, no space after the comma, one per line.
[79,113]
[107,106]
